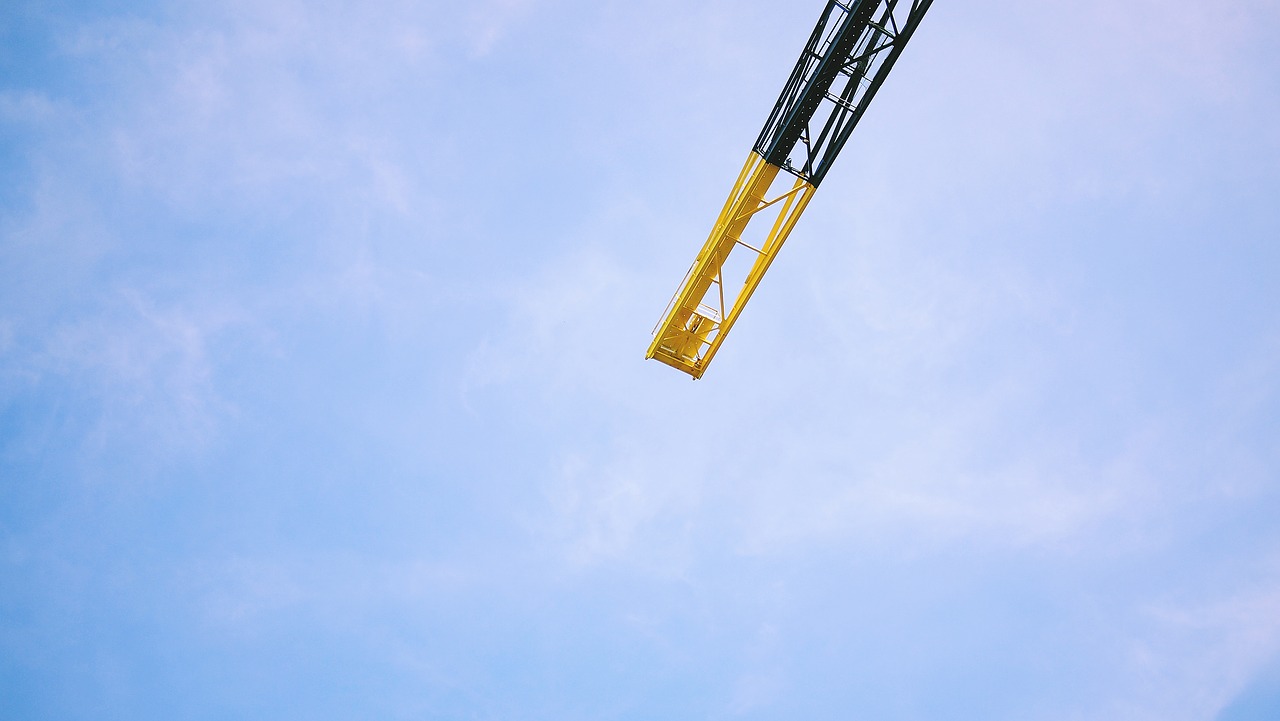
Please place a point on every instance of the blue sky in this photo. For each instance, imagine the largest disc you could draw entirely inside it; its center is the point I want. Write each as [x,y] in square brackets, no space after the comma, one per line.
[322,391]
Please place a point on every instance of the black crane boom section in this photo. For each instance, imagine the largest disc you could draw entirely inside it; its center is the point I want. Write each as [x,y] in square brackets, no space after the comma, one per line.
[850,52]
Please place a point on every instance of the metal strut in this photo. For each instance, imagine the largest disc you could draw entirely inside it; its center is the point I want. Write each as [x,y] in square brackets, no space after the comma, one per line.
[850,52]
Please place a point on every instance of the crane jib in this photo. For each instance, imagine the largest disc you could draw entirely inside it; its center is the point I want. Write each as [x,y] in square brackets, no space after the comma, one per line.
[815,72]
[849,53]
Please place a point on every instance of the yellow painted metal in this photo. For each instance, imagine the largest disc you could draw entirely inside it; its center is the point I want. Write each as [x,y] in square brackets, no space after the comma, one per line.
[697,319]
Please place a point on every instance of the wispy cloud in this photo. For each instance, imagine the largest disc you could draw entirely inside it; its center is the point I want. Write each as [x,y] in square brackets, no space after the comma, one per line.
[149,368]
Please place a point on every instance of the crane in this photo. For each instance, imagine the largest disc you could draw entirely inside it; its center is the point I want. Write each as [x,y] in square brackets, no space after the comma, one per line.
[850,52]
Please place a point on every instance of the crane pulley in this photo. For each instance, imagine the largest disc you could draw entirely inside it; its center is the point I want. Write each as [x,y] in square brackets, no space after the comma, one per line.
[849,54]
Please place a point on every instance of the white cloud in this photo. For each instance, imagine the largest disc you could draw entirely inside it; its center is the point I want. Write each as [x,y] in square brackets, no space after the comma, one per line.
[629,511]
[489,22]
[148,368]
[252,593]
[1199,654]
[27,107]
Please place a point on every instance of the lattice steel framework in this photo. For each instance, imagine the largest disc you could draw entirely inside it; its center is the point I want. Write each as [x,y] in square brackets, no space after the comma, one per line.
[850,52]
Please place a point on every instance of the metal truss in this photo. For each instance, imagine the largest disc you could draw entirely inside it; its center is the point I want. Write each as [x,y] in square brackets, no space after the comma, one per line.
[851,51]
[698,318]
[849,54]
